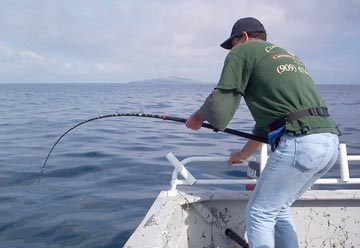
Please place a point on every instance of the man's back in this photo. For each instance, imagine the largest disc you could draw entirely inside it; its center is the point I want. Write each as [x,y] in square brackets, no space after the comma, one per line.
[274,83]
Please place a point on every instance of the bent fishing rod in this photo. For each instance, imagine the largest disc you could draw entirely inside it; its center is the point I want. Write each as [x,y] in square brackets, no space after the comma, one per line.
[163,117]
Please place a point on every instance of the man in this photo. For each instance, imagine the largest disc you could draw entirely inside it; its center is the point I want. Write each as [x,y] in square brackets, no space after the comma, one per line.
[288,111]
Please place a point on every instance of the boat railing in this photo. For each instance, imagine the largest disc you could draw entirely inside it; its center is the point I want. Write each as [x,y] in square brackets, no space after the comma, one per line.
[189,179]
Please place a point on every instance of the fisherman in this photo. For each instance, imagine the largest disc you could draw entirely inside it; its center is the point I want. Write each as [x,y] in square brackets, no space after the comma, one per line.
[288,112]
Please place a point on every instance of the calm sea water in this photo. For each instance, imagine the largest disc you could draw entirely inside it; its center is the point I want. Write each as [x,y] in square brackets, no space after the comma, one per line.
[103,176]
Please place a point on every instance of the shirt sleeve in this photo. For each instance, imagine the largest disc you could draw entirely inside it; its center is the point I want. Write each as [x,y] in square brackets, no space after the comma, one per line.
[235,74]
[220,107]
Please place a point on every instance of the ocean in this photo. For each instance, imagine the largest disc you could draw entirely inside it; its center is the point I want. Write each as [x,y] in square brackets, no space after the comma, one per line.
[103,176]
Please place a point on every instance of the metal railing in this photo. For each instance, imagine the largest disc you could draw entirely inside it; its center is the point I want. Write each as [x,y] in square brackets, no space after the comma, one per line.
[189,179]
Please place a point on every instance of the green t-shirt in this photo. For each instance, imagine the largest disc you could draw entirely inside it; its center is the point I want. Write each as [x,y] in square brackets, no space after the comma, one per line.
[273,82]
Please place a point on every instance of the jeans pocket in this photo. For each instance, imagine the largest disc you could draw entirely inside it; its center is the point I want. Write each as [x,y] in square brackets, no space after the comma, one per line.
[310,155]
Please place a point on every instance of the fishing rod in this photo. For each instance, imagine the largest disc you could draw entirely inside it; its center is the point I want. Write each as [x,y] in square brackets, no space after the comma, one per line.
[236,238]
[163,117]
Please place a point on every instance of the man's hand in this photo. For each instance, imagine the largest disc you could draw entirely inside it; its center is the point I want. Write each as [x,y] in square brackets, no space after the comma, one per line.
[195,121]
[237,157]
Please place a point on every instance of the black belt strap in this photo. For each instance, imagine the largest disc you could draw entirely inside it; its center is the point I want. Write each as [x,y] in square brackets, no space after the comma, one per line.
[316,111]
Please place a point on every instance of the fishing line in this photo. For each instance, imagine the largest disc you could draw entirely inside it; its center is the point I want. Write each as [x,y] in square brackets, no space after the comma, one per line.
[163,117]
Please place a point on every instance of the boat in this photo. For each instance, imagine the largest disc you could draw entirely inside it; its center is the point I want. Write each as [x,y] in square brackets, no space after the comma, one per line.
[194,217]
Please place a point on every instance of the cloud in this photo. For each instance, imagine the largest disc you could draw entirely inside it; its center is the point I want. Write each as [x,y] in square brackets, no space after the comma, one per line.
[31,57]
[11,57]
[129,40]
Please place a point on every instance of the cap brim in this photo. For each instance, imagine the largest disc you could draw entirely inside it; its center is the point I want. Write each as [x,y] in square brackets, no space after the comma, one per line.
[227,44]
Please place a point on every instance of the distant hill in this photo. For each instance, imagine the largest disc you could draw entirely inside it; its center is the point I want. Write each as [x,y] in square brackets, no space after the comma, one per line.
[169,80]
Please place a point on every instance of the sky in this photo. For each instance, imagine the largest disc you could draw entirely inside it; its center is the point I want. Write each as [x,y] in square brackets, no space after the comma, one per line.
[118,41]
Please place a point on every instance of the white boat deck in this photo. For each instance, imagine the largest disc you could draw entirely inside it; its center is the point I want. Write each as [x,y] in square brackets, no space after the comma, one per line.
[324,218]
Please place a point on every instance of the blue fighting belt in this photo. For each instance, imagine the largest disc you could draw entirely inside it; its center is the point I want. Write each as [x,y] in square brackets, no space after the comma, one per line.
[278,127]
[274,137]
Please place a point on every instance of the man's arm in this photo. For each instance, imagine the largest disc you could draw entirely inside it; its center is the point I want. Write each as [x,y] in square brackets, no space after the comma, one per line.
[218,109]
[195,120]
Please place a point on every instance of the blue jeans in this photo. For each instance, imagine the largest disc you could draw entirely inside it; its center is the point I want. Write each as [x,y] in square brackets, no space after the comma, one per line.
[291,169]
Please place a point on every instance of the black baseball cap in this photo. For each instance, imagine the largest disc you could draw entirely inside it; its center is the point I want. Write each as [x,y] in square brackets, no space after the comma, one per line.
[248,24]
